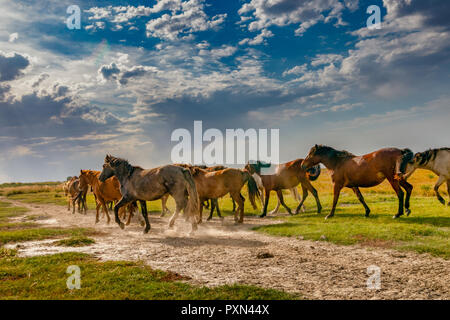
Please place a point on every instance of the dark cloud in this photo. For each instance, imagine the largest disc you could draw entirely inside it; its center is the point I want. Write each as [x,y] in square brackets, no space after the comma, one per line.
[12,65]
[109,71]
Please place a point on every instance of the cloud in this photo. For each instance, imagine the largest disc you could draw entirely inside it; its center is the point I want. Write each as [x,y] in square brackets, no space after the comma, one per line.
[123,74]
[189,19]
[13,37]
[12,65]
[304,13]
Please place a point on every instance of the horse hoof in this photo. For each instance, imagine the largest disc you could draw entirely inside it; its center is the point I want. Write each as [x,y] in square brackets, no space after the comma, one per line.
[262,216]
[408,212]
[142,223]
[397,216]
[146,230]
[329,217]
[122,226]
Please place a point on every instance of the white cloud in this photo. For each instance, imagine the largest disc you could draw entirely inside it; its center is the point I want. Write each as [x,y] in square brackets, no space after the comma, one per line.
[13,37]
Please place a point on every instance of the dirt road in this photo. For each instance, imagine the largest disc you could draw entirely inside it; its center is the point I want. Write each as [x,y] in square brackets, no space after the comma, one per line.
[224,253]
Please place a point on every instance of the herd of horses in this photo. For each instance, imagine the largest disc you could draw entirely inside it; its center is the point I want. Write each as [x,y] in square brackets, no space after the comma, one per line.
[195,187]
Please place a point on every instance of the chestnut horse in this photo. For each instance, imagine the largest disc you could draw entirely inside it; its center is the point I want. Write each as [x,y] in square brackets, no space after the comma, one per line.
[216,184]
[351,171]
[104,192]
[137,184]
[289,175]
[435,160]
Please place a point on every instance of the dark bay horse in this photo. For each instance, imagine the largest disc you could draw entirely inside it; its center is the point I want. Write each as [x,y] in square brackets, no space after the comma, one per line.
[137,184]
[354,172]
[289,175]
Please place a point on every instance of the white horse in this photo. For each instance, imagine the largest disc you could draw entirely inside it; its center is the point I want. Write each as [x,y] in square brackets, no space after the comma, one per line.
[435,160]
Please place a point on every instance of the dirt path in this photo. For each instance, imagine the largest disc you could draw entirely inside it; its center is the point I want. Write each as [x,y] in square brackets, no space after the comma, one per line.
[226,253]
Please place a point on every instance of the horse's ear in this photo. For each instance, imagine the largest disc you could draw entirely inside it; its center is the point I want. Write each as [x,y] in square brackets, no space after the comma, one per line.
[81,171]
[108,158]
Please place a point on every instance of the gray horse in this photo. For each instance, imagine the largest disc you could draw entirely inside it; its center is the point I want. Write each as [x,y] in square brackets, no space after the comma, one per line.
[137,184]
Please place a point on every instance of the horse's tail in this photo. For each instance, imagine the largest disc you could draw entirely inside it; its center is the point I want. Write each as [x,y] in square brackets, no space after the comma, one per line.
[194,202]
[313,173]
[407,156]
[253,190]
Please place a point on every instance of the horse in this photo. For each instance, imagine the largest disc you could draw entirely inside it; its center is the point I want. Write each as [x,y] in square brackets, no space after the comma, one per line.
[288,176]
[354,172]
[138,184]
[73,194]
[435,160]
[214,202]
[104,192]
[216,184]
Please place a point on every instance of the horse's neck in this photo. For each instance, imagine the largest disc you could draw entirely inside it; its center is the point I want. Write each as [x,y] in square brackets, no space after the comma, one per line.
[93,179]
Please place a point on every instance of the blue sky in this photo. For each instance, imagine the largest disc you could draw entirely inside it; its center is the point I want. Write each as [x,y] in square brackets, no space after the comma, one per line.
[137,70]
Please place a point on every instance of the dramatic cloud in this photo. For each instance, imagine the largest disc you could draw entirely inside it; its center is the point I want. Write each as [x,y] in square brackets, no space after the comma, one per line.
[12,65]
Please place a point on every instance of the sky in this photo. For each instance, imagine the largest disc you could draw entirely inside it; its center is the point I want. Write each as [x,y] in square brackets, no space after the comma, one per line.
[137,70]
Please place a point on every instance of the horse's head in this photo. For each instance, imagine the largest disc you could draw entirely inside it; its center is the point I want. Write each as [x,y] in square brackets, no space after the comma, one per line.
[252,168]
[108,168]
[313,158]
[84,182]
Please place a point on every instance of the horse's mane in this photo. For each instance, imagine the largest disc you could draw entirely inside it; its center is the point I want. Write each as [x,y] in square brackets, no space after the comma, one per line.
[332,153]
[429,155]
[407,156]
[117,162]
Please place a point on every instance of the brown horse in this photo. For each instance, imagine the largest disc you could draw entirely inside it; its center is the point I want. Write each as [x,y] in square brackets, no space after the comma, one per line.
[216,184]
[289,175]
[104,192]
[214,202]
[73,194]
[137,184]
[348,170]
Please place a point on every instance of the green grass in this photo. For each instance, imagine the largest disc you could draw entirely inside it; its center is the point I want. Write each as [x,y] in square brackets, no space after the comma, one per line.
[26,231]
[45,277]
[76,241]
[426,230]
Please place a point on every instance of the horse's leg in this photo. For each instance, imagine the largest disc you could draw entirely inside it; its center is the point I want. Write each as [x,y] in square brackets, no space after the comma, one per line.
[408,188]
[266,203]
[240,201]
[213,205]
[436,189]
[313,191]
[216,201]
[277,207]
[296,196]
[361,199]
[336,191]
[281,200]
[105,210]
[122,202]
[74,200]
[261,198]
[97,210]
[305,195]
[400,194]
[164,205]
[448,191]
[234,205]
[130,214]
[200,220]
[145,215]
